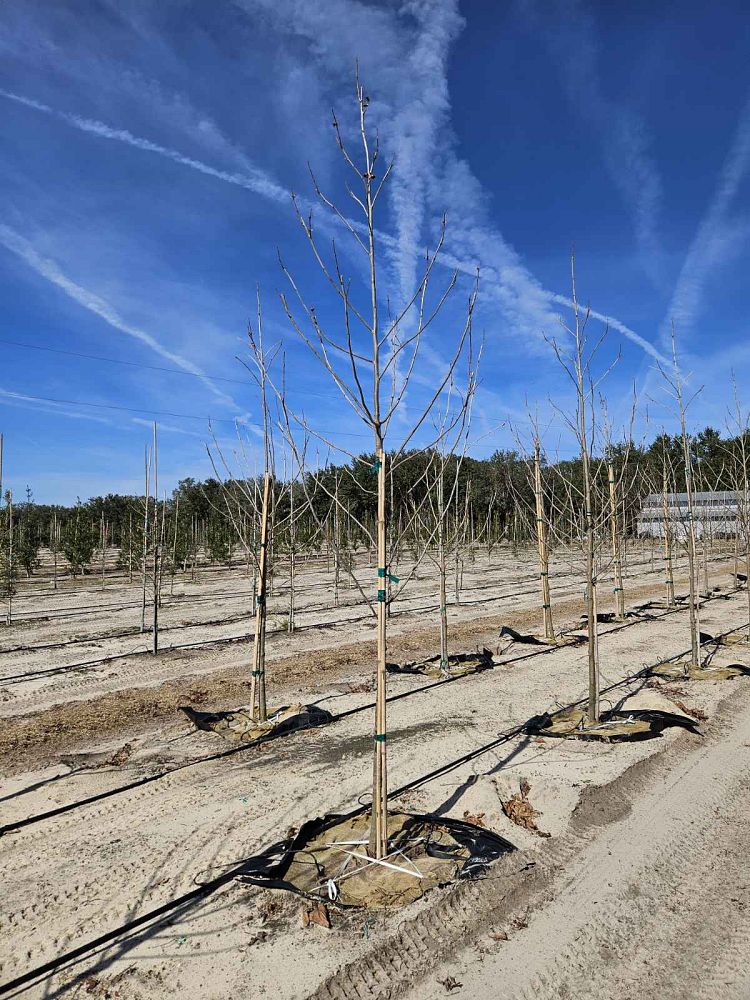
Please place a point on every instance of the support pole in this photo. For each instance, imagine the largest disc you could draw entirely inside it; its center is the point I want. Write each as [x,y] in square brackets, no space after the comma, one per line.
[258,682]
[616,551]
[155,636]
[378,842]
[541,537]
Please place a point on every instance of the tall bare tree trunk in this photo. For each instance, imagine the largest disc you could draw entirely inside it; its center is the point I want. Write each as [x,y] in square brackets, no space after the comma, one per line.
[706,584]
[378,843]
[55,544]
[174,544]
[102,533]
[541,537]
[155,636]
[11,574]
[258,682]
[669,570]
[292,558]
[616,552]
[442,568]
[691,545]
[588,523]
[593,644]
[336,545]
[146,500]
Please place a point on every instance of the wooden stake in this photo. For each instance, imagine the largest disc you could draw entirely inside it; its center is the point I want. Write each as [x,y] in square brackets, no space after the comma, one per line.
[541,537]
[258,681]
[669,579]
[155,635]
[616,553]
[378,842]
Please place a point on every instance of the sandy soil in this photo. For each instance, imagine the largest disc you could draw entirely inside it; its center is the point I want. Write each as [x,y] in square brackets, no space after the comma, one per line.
[646,847]
[84,640]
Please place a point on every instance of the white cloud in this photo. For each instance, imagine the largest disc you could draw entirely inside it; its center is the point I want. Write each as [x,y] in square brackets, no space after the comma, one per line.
[717,237]
[415,119]
[49,270]
[570,35]
[10,398]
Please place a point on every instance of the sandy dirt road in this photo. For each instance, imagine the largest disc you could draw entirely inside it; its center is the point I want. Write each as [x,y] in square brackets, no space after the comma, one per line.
[653,903]
[72,877]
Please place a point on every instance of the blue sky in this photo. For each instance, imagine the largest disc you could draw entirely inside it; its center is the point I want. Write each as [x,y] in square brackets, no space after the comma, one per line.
[148,154]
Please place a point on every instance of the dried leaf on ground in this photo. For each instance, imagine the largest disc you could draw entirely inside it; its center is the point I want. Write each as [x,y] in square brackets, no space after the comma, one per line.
[694,713]
[269,909]
[450,984]
[123,754]
[358,687]
[316,914]
[477,819]
[520,811]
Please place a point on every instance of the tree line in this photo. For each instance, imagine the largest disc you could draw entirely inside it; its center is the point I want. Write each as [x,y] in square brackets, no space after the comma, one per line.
[496,494]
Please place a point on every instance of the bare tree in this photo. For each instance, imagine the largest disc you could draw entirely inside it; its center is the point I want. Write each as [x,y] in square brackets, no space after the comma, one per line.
[371,364]
[442,478]
[741,472]
[675,383]
[576,358]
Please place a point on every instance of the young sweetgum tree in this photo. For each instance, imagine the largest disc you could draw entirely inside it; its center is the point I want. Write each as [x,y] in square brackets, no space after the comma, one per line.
[372,356]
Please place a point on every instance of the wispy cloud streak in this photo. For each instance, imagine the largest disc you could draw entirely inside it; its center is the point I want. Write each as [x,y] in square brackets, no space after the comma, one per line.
[255,180]
[49,270]
[506,280]
[10,398]
[717,236]
[570,36]
[418,121]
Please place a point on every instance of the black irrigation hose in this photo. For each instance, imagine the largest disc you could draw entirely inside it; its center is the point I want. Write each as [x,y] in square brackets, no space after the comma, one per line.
[60,810]
[208,888]
[128,633]
[560,590]
[63,668]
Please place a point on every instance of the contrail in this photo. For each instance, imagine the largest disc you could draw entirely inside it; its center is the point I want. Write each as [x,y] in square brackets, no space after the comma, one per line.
[259,183]
[48,269]
[256,181]
[713,238]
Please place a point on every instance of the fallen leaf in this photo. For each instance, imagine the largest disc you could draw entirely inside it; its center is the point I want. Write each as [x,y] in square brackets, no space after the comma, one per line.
[695,713]
[476,819]
[450,984]
[316,914]
[122,755]
[520,811]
